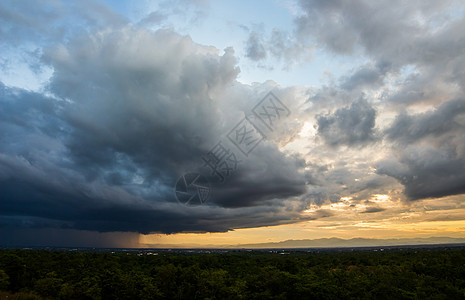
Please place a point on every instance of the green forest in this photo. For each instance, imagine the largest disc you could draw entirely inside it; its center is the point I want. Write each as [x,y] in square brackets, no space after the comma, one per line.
[436,273]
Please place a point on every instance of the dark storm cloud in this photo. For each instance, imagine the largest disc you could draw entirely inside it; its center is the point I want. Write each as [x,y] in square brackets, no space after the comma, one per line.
[281,178]
[353,125]
[430,147]
[126,119]
[55,237]
[408,129]
[427,172]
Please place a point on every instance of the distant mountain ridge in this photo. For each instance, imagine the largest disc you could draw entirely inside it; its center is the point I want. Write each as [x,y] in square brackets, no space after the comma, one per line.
[354,242]
[325,243]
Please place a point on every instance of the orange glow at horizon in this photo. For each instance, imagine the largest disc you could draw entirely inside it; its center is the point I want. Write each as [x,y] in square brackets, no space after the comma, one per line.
[424,218]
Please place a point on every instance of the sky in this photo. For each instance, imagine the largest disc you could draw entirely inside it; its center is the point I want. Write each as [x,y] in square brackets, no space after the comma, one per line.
[151,123]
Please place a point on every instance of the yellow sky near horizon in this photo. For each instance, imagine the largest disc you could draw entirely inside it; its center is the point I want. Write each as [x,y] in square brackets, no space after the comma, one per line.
[396,219]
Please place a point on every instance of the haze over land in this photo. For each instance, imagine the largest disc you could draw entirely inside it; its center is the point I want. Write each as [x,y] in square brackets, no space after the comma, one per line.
[325,243]
[105,106]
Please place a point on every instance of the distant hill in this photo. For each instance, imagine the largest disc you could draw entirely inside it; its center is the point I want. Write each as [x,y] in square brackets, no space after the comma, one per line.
[355,242]
[326,243]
